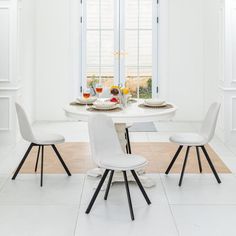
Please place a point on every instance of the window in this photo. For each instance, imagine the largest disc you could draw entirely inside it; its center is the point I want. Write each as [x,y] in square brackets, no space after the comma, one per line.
[119,44]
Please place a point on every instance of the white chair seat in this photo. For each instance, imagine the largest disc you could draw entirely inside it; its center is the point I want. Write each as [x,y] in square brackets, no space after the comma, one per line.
[123,162]
[48,139]
[189,139]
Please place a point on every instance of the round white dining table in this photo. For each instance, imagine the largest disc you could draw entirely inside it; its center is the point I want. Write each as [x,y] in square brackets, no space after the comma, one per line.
[134,112]
[130,114]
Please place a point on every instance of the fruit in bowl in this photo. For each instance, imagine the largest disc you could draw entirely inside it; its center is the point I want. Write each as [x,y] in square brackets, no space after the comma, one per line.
[115,100]
[114,90]
[125,91]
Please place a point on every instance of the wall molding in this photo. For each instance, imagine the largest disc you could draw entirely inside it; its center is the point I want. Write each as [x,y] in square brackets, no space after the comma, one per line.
[16,88]
[233,118]
[233,38]
[8,128]
[221,42]
[228,89]
[7,7]
[19,42]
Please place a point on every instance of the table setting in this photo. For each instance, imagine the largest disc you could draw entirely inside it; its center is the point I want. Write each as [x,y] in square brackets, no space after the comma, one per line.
[123,109]
[120,99]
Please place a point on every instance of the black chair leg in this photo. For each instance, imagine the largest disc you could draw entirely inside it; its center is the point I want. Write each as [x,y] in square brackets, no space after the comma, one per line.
[199,160]
[173,160]
[61,160]
[184,165]
[128,196]
[141,187]
[41,180]
[128,140]
[211,164]
[108,185]
[127,150]
[97,191]
[22,161]
[37,160]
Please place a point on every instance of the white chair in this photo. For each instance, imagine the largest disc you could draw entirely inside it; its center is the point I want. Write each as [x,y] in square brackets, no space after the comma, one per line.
[37,140]
[197,140]
[107,154]
[106,94]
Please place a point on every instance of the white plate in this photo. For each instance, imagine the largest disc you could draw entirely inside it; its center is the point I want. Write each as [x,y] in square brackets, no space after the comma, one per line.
[149,105]
[104,104]
[154,102]
[106,108]
[83,101]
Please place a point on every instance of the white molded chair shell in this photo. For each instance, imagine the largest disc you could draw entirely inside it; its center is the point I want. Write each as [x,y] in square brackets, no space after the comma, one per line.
[209,123]
[105,146]
[24,124]
[206,133]
[28,134]
[37,140]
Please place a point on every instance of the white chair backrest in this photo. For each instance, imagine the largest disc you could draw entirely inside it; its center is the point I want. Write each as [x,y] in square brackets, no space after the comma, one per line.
[104,141]
[209,123]
[25,127]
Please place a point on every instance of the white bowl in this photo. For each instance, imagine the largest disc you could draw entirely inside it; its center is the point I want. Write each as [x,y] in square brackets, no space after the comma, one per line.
[90,100]
[154,102]
[104,104]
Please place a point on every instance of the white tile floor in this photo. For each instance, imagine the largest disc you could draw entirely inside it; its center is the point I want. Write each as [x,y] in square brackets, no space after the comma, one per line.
[199,207]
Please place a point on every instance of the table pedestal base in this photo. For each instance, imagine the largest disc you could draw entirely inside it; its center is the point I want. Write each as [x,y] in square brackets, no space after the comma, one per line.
[146,181]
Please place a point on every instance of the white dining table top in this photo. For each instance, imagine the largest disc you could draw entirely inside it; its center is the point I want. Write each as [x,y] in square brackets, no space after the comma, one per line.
[131,113]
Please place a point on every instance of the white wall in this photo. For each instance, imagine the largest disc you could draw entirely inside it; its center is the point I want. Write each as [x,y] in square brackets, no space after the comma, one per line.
[16,63]
[184,78]
[52,59]
[212,62]
[27,54]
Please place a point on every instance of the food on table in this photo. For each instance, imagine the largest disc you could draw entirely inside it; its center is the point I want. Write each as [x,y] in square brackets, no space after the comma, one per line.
[125,91]
[114,91]
[116,100]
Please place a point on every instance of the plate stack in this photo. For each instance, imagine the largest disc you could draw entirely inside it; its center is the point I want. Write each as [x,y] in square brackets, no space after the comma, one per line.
[105,105]
[154,103]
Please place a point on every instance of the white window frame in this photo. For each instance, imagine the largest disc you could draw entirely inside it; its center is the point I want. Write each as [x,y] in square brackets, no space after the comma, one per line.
[82,49]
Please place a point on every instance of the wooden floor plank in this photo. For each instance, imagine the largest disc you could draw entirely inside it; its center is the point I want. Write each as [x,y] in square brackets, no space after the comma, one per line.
[159,154]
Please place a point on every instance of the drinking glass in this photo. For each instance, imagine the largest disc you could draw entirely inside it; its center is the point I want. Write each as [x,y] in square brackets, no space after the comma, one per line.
[99,89]
[86,95]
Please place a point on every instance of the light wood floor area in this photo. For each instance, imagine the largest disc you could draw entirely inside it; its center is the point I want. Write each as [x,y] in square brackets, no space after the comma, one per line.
[159,154]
